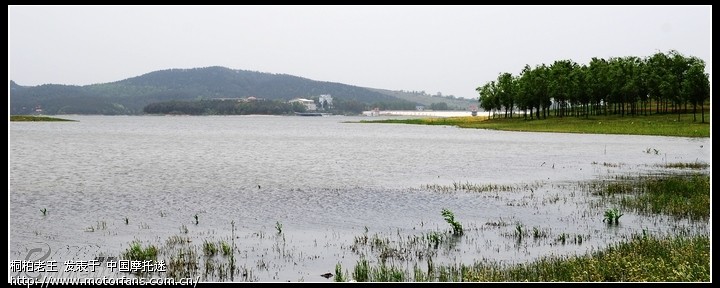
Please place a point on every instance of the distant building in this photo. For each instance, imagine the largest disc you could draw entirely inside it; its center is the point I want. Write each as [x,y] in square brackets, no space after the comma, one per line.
[309,104]
[419,107]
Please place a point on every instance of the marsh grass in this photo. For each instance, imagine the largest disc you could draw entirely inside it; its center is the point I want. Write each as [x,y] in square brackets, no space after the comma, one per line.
[209,248]
[137,252]
[364,272]
[339,275]
[686,165]
[225,248]
[655,124]
[642,258]
[473,187]
[679,195]
[683,196]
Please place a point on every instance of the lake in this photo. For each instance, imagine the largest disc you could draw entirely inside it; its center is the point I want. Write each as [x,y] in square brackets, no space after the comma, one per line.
[324,180]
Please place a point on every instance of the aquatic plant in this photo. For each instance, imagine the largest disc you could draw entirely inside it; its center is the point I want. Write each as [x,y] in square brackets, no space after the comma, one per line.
[518,231]
[361,272]
[339,276]
[209,248]
[612,216]
[137,252]
[457,228]
[44,211]
[197,219]
[278,227]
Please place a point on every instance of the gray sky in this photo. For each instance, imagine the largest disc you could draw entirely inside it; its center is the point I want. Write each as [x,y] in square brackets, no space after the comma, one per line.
[448,49]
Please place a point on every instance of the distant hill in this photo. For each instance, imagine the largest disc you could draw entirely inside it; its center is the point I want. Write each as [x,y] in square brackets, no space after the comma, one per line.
[427,99]
[129,96]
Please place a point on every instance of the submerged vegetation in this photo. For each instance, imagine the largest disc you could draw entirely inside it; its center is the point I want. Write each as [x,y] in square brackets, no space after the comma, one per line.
[684,196]
[431,252]
[641,259]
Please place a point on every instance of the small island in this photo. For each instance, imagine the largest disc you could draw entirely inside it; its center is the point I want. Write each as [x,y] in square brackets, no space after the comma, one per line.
[33,118]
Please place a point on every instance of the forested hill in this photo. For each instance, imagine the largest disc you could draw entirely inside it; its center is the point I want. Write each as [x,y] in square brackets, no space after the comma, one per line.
[129,96]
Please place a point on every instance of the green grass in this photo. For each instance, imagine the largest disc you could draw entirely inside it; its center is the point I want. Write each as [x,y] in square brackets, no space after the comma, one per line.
[643,258]
[680,195]
[656,124]
[668,259]
[137,253]
[31,118]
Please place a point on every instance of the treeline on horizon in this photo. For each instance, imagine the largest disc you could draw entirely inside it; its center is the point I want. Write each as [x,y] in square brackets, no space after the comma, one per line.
[265,107]
[620,85]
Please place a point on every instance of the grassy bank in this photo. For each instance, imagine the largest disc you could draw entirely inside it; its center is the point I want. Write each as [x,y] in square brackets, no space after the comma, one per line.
[656,124]
[31,118]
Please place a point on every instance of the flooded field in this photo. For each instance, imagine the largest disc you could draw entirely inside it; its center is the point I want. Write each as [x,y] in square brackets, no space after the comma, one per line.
[267,198]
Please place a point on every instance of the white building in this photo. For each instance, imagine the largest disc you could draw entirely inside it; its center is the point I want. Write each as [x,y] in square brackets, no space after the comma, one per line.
[309,104]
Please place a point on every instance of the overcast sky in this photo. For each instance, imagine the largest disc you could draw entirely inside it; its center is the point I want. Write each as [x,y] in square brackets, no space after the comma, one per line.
[448,49]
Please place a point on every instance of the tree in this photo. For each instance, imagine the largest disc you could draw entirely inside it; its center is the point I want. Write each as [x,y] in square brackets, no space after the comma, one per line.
[696,86]
[506,92]
[488,98]
[439,106]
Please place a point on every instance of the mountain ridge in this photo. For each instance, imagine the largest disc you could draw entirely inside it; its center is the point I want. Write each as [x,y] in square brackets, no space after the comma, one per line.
[130,95]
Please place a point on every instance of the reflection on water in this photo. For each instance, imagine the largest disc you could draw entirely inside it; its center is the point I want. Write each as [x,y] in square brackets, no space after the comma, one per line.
[326,181]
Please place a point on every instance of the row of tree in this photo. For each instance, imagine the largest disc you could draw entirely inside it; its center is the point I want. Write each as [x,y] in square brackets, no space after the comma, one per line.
[620,85]
[267,107]
[224,107]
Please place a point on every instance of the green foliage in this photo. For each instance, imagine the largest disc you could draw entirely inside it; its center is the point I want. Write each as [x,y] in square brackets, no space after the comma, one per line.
[441,106]
[138,253]
[434,239]
[671,259]
[226,248]
[686,196]
[457,228]
[619,85]
[44,211]
[643,258]
[209,248]
[612,216]
[678,195]
[361,273]
[339,276]
[223,107]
